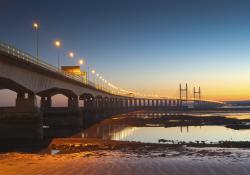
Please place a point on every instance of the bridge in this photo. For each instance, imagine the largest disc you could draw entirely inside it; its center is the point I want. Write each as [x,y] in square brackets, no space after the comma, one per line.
[31,78]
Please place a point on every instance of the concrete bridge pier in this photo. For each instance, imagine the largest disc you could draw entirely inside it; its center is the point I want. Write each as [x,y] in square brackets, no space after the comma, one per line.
[112,104]
[45,103]
[118,106]
[130,104]
[89,111]
[140,104]
[153,103]
[120,101]
[73,103]
[160,103]
[157,104]
[23,121]
[179,104]
[149,104]
[60,120]
[143,103]
[126,105]
[105,104]
[174,104]
[146,104]
[99,108]
[165,104]
[115,106]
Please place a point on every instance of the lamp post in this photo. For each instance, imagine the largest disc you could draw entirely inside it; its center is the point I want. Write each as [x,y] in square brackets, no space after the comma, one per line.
[87,73]
[103,86]
[81,62]
[93,72]
[71,56]
[105,81]
[57,44]
[86,68]
[100,82]
[36,27]
[97,81]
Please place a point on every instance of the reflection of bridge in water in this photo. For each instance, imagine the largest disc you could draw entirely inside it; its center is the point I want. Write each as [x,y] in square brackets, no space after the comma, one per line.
[31,78]
[109,132]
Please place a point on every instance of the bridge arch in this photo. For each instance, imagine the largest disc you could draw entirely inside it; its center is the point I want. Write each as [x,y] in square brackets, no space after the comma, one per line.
[88,100]
[25,100]
[13,86]
[86,96]
[46,97]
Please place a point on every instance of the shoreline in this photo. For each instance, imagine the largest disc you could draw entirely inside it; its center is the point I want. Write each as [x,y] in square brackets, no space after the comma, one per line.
[128,158]
[72,145]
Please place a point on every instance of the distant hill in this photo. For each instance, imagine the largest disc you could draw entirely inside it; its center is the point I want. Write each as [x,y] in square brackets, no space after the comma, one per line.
[238,103]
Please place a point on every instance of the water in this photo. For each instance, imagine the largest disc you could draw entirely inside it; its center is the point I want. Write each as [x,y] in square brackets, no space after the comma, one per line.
[135,127]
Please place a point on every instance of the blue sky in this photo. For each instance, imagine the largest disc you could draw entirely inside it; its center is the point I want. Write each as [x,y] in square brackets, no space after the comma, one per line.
[145,45]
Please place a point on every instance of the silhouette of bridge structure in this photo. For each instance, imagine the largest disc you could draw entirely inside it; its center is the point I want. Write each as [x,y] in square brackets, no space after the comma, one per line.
[31,77]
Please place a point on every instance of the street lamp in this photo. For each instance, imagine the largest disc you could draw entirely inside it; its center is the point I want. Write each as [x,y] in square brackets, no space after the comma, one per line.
[93,72]
[58,44]
[36,26]
[100,82]
[71,55]
[86,68]
[81,62]
[97,82]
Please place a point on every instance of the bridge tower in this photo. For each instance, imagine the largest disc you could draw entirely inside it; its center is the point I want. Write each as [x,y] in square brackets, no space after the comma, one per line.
[183,90]
[197,92]
[199,95]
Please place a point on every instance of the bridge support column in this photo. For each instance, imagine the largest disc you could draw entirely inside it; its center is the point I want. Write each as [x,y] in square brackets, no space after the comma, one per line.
[178,103]
[165,103]
[126,104]
[62,118]
[45,103]
[140,104]
[157,103]
[161,103]
[89,111]
[147,104]
[73,103]
[24,121]
[112,105]
[105,105]
[143,103]
[153,104]
[173,103]
[131,105]
[25,102]
[117,105]
[120,105]
[170,103]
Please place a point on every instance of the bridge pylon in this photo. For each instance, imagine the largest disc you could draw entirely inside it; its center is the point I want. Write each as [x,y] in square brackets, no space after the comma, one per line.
[197,92]
[185,91]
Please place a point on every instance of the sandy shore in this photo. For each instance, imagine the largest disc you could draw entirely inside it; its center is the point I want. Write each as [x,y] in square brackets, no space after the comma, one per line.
[132,160]
[107,163]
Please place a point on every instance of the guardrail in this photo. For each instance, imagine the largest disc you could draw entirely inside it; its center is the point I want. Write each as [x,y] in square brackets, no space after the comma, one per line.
[26,57]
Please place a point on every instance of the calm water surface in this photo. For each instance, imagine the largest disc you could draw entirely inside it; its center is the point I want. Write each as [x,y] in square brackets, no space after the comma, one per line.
[108,129]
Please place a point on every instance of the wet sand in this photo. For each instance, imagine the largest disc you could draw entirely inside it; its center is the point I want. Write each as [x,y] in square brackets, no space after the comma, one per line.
[107,163]
[133,159]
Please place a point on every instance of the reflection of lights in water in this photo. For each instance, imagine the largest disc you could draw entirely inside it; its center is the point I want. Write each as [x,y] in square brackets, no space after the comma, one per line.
[124,133]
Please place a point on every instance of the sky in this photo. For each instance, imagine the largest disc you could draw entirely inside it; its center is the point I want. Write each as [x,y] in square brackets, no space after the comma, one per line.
[148,46]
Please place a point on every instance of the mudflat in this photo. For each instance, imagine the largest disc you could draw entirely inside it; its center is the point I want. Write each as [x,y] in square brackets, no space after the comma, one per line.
[95,157]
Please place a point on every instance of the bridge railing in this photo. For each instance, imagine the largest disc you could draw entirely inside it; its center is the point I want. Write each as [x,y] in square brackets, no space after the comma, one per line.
[26,57]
